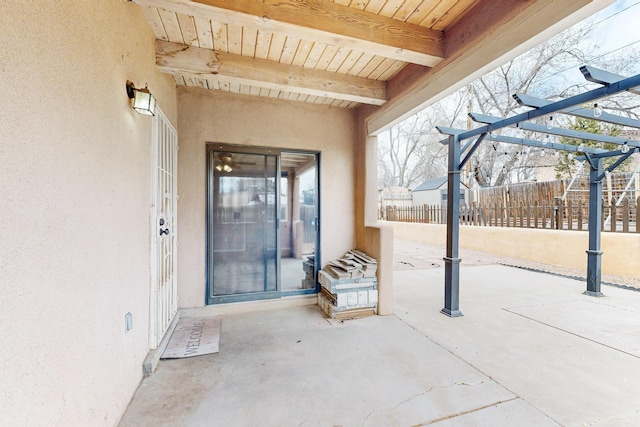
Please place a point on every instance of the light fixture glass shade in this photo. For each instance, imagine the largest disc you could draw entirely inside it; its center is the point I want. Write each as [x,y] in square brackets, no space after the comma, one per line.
[625,148]
[549,122]
[143,102]
[141,99]
[597,111]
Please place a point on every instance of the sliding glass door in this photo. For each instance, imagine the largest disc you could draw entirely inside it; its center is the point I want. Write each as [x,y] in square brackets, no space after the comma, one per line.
[262,223]
[243,225]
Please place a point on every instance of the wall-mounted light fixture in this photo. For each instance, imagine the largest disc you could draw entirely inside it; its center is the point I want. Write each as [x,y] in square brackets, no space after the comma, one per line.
[141,99]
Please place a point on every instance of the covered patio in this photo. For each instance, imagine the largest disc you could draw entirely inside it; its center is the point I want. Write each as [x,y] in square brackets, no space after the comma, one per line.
[115,223]
[531,350]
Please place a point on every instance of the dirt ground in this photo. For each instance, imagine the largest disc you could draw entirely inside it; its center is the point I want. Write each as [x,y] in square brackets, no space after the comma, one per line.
[410,255]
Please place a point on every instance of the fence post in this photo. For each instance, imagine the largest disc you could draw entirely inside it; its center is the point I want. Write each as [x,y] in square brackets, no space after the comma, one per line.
[494,214]
[472,213]
[507,213]
[625,215]
[536,214]
[513,214]
[544,214]
[558,206]
[521,214]
[580,215]
[569,215]
[613,212]
[491,214]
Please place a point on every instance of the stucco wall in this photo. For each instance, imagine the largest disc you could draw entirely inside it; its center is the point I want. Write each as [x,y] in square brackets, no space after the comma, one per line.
[74,209]
[208,116]
[556,247]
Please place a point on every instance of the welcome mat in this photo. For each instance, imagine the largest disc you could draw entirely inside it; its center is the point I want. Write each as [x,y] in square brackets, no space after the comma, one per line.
[193,336]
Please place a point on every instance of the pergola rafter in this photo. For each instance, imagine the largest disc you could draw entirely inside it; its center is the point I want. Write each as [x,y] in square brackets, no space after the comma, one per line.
[611,85]
[587,113]
[569,133]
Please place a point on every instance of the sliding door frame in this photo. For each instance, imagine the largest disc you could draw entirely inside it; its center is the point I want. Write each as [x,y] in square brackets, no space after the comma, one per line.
[210,188]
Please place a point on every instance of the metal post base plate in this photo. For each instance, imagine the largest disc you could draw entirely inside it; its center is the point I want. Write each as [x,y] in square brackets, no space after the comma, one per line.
[593,294]
[451,313]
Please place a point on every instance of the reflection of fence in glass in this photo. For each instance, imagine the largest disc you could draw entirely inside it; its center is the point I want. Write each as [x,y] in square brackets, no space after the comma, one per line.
[308,217]
[559,215]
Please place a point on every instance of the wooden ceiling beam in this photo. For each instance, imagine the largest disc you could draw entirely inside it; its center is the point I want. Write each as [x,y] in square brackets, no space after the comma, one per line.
[176,58]
[324,22]
[489,34]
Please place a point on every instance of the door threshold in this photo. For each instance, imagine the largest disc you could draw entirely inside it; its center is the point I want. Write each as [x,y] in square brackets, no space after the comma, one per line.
[250,306]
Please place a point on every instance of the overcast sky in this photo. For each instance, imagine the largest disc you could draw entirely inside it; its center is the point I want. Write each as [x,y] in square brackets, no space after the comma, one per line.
[619,26]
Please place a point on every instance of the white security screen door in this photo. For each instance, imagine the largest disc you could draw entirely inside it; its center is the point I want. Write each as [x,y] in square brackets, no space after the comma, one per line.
[164,239]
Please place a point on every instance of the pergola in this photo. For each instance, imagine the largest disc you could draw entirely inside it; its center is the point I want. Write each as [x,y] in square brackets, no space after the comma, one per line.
[459,154]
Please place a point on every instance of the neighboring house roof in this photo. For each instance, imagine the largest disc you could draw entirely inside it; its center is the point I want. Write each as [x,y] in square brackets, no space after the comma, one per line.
[433,184]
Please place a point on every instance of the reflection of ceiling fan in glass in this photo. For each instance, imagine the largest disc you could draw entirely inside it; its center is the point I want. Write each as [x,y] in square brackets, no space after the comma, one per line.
[225,163]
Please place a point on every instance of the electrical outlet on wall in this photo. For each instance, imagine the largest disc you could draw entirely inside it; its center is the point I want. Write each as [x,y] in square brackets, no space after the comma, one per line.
[128,322]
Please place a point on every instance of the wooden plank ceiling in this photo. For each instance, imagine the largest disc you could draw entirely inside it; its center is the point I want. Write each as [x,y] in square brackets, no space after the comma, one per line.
[339,53]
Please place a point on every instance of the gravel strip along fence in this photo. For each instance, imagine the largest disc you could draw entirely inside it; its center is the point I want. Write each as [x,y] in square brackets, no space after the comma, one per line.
[410,255]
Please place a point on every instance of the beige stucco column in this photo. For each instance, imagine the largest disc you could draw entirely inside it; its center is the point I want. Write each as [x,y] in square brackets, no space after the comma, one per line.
[376,240]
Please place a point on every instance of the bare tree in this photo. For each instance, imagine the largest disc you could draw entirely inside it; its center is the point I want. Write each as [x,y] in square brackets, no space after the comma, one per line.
[539,70]
[411,152]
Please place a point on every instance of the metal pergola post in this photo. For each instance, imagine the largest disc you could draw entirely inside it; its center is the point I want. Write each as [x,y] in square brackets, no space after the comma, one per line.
[452,262]
[594,254]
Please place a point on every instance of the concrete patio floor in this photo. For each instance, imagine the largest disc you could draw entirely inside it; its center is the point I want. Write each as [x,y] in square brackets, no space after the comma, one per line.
[530,350]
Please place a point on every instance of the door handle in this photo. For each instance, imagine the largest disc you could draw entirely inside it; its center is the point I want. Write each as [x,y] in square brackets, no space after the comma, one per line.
[165,231]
